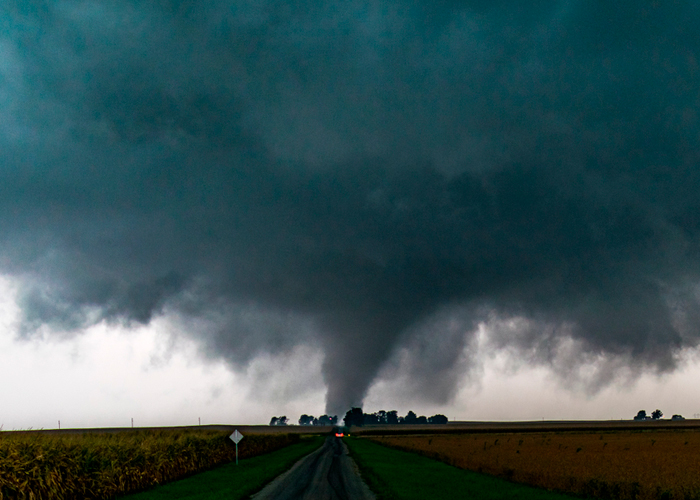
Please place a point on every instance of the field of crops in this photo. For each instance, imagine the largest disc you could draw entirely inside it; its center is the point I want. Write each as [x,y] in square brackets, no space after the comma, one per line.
[625,465]
[38,465]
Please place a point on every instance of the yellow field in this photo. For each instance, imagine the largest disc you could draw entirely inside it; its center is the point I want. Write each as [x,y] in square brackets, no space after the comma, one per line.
[101,465]
[639,465]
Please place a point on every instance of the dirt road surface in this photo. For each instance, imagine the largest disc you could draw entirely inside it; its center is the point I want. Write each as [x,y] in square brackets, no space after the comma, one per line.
[326,474]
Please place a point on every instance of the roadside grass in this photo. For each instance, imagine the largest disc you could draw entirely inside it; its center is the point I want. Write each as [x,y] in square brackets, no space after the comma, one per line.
[231,481]
[400,475]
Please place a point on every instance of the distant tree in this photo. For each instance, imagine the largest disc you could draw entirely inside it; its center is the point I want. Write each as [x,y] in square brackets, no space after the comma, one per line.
[381,417]
[324,420]
[273,421]
[438,419]
[370,418]
[354,416]
[422,420]
[327,420]
[282,420]
[392,417]
[410,418]
[306,419]
[657,414]
[641,415]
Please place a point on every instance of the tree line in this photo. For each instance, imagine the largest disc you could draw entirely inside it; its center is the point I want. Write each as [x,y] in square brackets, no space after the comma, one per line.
[306,420]
[655,415]
[357,417]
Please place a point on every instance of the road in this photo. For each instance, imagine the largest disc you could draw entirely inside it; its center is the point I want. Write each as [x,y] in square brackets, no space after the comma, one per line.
[326,474]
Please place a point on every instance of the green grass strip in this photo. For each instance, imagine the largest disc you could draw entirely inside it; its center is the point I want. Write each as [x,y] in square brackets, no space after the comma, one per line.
[399,475]
[231,481]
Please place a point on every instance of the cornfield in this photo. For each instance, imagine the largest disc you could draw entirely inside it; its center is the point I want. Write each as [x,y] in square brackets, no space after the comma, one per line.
[37,466]
[624,465]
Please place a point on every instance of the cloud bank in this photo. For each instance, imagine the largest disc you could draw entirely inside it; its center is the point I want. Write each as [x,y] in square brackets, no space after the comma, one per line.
[365,177]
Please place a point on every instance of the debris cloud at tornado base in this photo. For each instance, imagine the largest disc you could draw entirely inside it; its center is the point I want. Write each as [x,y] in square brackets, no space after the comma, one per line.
[369,179]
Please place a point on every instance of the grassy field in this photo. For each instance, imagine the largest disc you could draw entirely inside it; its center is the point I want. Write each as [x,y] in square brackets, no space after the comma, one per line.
[399,475]
[645,464]
[91,465]
[528,426]
[231,481]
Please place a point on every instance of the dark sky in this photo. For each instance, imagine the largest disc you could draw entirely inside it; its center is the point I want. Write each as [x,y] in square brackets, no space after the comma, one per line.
[359,176]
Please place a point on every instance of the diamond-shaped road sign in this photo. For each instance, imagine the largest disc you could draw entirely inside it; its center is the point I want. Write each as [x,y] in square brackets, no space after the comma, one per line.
[236,436]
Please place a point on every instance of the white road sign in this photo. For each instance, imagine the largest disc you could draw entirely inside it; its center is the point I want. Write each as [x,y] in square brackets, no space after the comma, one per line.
[236,436]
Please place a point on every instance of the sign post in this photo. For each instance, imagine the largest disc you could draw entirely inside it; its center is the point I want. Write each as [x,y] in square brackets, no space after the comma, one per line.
[236,437]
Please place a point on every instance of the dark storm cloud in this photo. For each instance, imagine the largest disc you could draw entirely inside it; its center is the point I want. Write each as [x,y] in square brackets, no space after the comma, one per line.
[348,173]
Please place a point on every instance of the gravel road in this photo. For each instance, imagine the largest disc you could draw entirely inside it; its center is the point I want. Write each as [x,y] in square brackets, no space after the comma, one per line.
[326,474]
